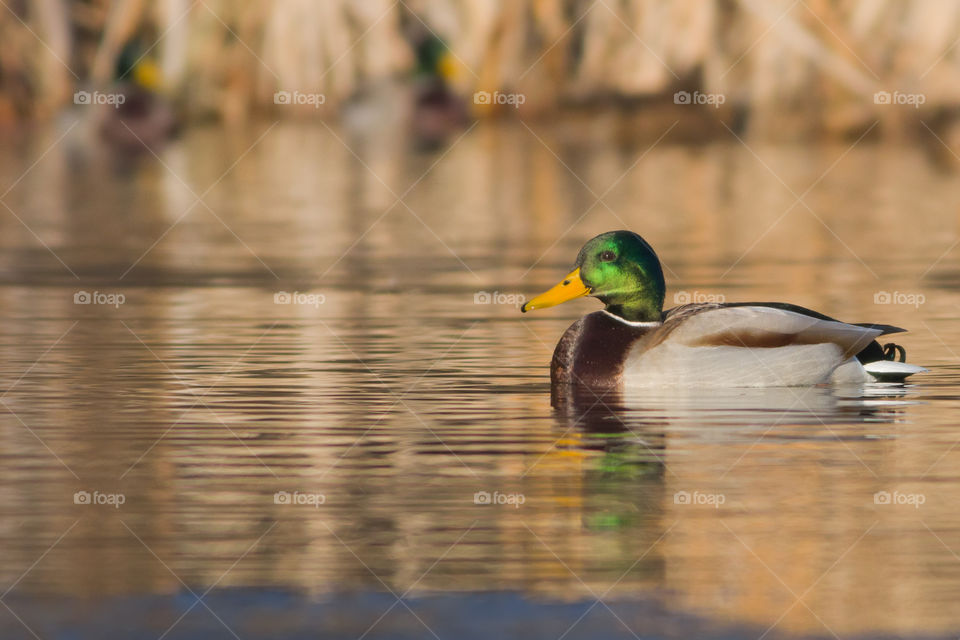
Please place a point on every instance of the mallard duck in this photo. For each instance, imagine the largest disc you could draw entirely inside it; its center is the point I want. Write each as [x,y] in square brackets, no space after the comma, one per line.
[633,342]
[438,112]
[145,119]
[422,110]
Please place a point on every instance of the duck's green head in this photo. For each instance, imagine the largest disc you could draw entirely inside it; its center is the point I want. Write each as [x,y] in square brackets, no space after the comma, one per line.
[136,66]
[434,59]
[620,269]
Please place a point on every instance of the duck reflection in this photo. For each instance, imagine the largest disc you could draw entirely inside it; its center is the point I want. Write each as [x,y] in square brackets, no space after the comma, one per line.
[641,419]
[605,423]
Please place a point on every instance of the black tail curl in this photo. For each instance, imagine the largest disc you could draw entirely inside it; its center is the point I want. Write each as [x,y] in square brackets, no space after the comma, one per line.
[873,352]
[892,350]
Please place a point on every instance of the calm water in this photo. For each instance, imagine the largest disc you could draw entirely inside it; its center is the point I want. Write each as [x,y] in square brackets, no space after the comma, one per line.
[387,395]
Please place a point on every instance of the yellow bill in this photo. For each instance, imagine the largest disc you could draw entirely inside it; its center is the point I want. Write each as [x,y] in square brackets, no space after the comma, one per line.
[447,67]
[569,288]
[147,74]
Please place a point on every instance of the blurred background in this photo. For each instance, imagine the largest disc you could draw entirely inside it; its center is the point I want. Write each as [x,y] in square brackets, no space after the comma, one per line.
[786,69]
[256,250]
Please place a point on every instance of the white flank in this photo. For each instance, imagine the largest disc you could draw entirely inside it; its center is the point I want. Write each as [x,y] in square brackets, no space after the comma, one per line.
[682,360]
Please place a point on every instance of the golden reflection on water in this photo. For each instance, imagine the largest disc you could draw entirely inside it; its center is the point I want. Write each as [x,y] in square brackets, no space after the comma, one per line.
[399,398]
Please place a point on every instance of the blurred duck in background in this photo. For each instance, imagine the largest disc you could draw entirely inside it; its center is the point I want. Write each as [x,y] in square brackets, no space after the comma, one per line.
[438,112]
[143,118]
[422,110]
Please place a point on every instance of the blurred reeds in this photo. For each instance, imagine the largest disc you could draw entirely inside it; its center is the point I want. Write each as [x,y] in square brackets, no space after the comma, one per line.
[811,63]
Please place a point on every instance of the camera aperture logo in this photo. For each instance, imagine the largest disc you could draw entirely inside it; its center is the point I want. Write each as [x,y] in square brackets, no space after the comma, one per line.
[712,99]
[99,297]
[95,497]
[297,297]
[697,297]
[299,98]
[497,97]
[299,498]
[899,297]
[699,498]
[898,498]
[487,498]
[99,98]
[897,97]
[498,297]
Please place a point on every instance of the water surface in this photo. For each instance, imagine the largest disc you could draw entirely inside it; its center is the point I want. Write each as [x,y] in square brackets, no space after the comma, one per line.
[402,386]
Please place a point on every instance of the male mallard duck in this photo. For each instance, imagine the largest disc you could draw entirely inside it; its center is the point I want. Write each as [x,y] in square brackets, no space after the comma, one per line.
[145,117]
[633,342]
[424,109]
[438,112]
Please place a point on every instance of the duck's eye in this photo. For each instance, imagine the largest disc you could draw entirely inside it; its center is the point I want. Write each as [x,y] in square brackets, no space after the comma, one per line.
[608,256]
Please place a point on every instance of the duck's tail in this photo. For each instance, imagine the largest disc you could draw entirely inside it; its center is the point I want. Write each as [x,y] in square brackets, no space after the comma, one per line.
[887,364]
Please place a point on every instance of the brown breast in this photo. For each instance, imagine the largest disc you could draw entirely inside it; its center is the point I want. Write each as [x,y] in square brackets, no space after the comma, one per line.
[592,352]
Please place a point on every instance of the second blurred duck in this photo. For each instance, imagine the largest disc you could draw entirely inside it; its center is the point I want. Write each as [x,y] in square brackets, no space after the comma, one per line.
[144,118]
[423,110]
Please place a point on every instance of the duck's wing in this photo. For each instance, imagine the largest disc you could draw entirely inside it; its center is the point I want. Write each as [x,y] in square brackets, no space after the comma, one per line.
[744,345]
[764,326]
[871,354]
